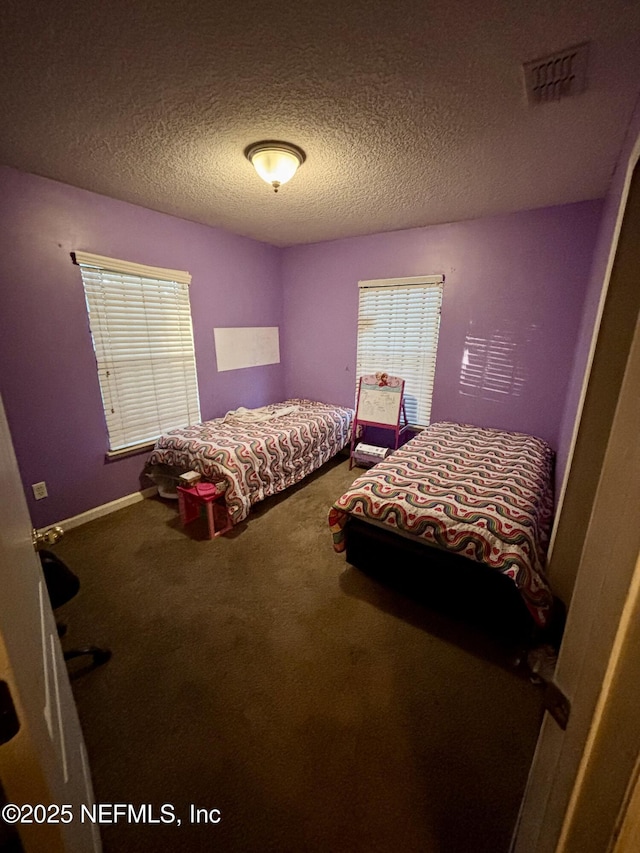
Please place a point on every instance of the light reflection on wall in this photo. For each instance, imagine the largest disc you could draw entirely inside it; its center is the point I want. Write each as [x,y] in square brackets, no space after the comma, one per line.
[494,366]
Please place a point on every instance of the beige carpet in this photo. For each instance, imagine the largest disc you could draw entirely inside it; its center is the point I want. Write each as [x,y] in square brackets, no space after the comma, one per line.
[260,675]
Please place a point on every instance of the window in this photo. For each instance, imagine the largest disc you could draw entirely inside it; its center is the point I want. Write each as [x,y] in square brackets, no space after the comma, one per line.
[140,322]
[398,324]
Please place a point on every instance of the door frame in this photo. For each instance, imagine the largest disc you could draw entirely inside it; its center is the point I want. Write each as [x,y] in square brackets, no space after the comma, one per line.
[561,806]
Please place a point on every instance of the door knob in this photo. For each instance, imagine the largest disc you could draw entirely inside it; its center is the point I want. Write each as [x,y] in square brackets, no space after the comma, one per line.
[50,536]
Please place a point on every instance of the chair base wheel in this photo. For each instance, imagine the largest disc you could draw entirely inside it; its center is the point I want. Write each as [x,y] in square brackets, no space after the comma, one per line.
[98,655]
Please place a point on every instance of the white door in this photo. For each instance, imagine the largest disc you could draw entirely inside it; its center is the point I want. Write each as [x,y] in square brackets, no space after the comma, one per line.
[579,776]
[45,761]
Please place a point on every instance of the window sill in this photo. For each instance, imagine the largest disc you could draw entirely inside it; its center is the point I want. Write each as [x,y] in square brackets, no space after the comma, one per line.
[112,455]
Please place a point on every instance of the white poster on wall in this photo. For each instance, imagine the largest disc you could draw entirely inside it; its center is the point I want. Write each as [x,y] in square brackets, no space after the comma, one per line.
[246,347]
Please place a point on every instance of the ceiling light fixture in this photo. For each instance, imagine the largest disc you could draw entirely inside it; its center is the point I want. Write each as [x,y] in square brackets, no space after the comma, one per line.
[275,162]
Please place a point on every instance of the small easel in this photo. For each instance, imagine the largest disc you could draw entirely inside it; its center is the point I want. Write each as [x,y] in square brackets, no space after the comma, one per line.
[380,404]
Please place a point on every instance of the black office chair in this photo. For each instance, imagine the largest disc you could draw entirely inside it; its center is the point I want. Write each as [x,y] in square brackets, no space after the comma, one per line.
[62,585]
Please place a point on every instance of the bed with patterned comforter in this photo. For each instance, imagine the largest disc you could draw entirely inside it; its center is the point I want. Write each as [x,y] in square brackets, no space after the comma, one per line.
[482,493]
[257,452]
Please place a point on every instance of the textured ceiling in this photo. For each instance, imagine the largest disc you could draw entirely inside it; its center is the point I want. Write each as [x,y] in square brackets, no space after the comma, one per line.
[411,112]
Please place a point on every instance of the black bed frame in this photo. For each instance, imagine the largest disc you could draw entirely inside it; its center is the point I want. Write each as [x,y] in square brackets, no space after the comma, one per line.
[448,583]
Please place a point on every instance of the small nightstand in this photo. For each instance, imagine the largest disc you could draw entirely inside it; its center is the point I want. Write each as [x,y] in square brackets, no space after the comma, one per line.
[209,495]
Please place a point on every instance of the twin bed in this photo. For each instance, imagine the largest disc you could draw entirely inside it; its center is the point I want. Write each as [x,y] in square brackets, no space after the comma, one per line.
[465,509]
[468,510]
[257,453]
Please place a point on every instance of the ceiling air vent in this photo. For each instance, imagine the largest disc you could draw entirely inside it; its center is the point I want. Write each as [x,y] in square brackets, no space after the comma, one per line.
[560,75]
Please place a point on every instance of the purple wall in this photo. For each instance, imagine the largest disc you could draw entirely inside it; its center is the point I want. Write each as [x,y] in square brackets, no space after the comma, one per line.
[48,377]
[523,275]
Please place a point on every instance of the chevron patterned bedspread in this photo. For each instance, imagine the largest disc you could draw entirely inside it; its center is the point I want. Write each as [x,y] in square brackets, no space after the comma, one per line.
[258,458]
[482,493]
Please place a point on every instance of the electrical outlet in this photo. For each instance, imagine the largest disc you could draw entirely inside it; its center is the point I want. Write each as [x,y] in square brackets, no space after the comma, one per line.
[40,490]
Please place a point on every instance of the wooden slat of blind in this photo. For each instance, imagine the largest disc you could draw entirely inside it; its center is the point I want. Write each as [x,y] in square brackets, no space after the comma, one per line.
[143,340]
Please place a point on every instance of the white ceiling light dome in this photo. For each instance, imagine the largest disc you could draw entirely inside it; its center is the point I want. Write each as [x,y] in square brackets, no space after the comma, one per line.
[275,162]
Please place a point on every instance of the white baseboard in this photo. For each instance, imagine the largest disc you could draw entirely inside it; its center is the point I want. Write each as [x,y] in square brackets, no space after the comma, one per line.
[105,509]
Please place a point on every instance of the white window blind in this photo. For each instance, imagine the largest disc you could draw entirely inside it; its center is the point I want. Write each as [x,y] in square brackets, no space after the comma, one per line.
[398,325]
[143,340]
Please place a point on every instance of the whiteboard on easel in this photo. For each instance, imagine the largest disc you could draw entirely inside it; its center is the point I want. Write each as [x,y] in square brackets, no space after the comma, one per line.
[380,403]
